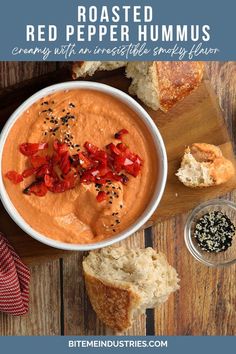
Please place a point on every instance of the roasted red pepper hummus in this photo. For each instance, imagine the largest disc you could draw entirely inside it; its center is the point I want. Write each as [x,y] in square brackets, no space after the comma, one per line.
[79,166]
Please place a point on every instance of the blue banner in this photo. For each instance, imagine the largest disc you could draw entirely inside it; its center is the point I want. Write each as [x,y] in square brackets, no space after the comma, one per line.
[125,30]
[120,344]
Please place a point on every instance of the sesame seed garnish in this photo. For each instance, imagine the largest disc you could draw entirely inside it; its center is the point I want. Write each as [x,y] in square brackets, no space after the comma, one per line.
[214,232]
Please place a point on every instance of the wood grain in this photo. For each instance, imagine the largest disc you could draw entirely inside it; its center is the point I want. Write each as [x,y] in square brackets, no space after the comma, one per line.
[198,118]
[44,316]
[206,302]
[45,300]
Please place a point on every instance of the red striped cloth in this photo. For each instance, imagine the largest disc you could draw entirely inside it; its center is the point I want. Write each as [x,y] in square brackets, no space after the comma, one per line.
[14,281]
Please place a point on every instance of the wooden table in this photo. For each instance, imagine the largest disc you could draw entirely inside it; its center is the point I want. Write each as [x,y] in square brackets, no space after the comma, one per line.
[206,302]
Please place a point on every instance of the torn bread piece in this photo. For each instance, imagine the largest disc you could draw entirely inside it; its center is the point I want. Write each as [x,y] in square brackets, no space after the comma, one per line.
[84,68]
[122,282]
[203,165]
[162,84]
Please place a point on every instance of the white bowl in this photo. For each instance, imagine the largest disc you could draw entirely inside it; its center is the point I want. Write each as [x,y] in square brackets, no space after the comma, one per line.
[160,150]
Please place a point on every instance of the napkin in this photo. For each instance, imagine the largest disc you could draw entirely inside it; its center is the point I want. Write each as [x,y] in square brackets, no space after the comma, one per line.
[14,281]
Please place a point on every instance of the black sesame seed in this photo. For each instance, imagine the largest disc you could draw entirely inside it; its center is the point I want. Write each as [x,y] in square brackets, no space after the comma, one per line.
[214,232]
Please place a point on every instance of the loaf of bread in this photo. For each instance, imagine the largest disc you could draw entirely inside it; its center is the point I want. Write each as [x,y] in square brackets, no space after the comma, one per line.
[121,282]
[203,165]
[84,68]
[162,84]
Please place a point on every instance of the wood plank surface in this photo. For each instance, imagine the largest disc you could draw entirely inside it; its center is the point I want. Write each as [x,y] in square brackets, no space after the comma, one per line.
[45,297]
[206,302]
[198,118]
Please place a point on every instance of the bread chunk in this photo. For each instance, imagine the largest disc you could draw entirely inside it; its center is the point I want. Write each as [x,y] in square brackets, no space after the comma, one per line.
[121,282]
[203,165]
[144,83]
[161,84]
[84,68]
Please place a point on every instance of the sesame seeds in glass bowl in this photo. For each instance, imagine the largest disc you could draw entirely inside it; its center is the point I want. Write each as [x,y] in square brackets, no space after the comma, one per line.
[210,233]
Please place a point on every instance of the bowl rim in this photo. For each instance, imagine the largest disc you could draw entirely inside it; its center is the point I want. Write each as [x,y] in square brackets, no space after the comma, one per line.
[159,148]
[187,232]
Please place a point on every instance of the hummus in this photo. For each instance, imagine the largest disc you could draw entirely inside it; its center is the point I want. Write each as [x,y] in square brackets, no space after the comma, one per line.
[75,216]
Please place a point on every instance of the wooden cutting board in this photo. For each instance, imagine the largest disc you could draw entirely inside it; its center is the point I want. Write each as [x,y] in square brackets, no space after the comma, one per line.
[198,118]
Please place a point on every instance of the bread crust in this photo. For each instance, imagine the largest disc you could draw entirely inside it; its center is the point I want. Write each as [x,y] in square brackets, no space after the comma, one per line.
[114,305]
[75,68]
[203,152]
[177,80]
[220,169]
[88,68]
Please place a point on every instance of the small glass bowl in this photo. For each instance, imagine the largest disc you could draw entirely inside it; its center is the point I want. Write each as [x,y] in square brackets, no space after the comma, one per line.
[211,259]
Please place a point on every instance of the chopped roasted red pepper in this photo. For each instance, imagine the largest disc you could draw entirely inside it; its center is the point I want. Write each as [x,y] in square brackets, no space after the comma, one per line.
[65,163]
[48,180]
[113,149]
[84,161]
[134,168]
[37,188]
[43,170]
[14,177]
[55,158]
[92,149]
[62,186]
[100,157]
[120,134]
[60,171]
[28,172]
[29,149]
[122,147]
[59,147]
[37,161]
[101,196]
[87,178]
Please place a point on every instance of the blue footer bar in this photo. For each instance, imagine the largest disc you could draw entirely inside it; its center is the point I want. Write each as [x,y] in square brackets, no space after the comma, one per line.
[112,344]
